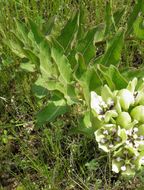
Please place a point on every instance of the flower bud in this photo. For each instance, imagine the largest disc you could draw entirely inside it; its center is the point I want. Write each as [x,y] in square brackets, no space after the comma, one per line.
[126,99]
[124,120]
[106,94]
[123,168]
[109,115]
[138,113]
[132,84]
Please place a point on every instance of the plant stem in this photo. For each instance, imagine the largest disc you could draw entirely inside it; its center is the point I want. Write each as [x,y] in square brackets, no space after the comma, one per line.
[109,169]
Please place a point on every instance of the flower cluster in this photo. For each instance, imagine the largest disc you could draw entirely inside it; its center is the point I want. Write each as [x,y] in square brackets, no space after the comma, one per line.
[121,114]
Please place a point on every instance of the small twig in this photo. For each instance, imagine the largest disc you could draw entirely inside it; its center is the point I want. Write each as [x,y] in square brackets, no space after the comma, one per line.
[22,124]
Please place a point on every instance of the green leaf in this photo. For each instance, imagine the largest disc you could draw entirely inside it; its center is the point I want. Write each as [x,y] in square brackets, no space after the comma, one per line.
[22,32]
[68,91]
[133,16]
[69,31]
[51,111]
[46,65]
[81,23]
[31,56]
[99,34]
[113,77]
[81,66]
[95,81]
[108,18]
[106,76]
[70,94]
[39,91]
[16,45]
[36,32]
[83,130]
[117,17]
[50,84]
[130,73]
[89,81]
[117,78]
[114,48]
[28,66]
[49,25]
[139,28]
[84,127]
[62,63]
[86,45]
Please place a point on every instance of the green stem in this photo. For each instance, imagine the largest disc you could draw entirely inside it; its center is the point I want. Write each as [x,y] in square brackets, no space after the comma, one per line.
[109,169]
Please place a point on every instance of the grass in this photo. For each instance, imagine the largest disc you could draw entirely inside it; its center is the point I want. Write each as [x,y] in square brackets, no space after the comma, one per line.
[49,157]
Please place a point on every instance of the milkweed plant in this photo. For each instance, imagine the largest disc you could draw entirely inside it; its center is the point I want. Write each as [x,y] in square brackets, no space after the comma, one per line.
[121,134]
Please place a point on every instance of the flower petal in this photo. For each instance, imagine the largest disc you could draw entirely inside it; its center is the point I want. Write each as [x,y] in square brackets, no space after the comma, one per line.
[96,101]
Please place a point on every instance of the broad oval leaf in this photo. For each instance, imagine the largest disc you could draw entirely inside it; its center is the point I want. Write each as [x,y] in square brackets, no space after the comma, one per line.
[113,77]
[51,111]
[62,63]
[46,65]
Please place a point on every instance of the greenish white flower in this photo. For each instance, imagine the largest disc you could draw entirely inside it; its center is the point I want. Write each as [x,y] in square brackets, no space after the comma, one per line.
[103,108]
[105,132]
[110,137]
[135,129]
[121,131]
[135,138]
[123,168]
[140,137]
[126,160]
